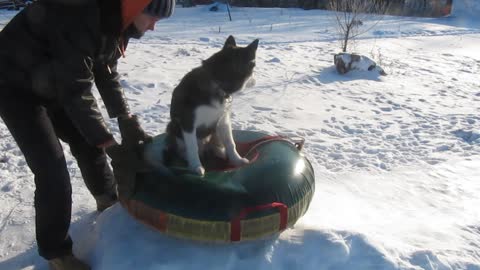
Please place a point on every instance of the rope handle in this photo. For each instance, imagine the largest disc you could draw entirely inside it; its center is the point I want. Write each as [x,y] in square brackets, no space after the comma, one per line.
[236,225]
[298,142]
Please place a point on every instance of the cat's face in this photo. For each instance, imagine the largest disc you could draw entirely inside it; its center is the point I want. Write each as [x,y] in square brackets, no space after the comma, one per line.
[240,60]
[234,65]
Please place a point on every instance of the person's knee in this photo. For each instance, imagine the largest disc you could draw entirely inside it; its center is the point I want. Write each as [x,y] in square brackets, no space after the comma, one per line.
[84,151]
[52,177]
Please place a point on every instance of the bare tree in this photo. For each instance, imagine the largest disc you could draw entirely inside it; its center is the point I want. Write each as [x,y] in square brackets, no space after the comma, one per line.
[351,14]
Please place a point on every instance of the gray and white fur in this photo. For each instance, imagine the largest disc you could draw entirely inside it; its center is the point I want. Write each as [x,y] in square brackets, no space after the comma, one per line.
[201,104]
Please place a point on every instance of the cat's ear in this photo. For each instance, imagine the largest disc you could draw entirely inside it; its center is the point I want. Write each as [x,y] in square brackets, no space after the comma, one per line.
[230,42]
[253,46]
[252,49]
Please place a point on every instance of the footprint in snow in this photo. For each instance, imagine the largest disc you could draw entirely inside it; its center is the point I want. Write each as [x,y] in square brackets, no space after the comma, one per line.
[4,159]
[8,187]
[273,60]
[386,109]
[271,120]
[306,132]
[264,109]
[471,121]
[164,38]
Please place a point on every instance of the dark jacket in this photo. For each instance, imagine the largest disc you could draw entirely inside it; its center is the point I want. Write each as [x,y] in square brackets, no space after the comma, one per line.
[57,51]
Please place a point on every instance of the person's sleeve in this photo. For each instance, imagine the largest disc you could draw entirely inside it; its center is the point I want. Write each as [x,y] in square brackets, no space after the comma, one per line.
[73,49]
[107,80]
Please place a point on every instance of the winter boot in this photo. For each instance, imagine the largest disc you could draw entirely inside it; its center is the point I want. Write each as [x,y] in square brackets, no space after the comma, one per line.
[68,262]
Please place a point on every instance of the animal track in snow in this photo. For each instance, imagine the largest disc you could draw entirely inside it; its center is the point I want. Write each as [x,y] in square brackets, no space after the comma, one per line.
[258,108]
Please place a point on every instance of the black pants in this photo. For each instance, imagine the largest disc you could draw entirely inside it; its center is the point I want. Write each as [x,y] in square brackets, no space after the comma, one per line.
[37,127]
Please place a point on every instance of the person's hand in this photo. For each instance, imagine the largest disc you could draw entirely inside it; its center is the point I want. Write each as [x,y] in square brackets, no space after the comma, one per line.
[127,158]
[131,131]
[127,161]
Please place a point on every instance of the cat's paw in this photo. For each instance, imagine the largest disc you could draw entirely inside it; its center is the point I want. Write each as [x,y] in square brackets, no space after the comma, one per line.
[239,161]
[250,83]
[199,170]
[220,152]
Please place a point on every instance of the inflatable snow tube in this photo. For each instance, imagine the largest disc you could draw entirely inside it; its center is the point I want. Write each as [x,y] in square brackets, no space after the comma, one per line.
[228,204]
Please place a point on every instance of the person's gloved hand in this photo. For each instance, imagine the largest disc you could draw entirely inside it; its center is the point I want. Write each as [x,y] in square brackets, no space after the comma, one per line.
[127,158]
[131,131]
[127,161]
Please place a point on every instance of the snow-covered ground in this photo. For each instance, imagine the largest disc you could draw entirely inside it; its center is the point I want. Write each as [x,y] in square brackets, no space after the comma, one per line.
[397,157]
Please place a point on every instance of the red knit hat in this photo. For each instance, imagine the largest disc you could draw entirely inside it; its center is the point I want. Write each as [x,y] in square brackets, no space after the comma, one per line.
[130,9]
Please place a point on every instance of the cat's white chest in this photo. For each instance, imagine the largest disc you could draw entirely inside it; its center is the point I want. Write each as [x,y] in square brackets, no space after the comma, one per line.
[209,115]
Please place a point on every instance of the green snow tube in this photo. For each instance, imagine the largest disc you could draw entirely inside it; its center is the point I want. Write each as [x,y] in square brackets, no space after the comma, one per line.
[228,204]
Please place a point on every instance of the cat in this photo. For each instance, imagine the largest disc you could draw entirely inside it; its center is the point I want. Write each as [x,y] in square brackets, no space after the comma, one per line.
[201,104]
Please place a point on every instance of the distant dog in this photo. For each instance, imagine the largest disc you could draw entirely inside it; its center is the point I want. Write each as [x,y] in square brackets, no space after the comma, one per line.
[200,107]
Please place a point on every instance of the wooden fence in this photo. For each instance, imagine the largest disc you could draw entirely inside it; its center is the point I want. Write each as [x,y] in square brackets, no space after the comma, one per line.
[430,8]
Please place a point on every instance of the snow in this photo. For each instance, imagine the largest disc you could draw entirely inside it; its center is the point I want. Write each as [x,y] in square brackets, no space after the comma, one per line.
[396,157]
